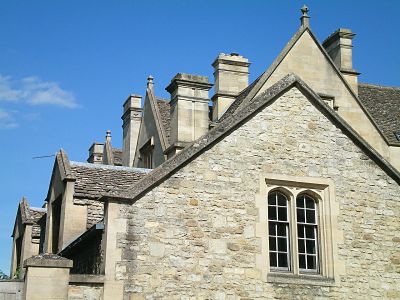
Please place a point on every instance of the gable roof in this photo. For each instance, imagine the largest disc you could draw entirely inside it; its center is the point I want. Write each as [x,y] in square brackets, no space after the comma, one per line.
[247,95]
[164,110]
[383,103]
[29,216]
[93,180]
[234,121]
[158,117]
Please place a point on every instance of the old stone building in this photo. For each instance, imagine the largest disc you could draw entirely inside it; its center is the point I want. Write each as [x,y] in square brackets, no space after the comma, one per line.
[285,188]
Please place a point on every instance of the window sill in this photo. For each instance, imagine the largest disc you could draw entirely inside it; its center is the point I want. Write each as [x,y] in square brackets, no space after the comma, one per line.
[302,279]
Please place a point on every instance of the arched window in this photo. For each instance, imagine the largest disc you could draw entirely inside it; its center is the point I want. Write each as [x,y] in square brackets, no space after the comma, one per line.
[307,233]
[279,237]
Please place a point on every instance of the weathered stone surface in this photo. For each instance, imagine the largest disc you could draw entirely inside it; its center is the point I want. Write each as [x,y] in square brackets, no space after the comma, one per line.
[368,210]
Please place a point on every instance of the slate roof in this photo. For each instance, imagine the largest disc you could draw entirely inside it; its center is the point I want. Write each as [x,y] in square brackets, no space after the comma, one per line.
[383,104]
[196,148]
[164,109]
[30,215]
[93,180]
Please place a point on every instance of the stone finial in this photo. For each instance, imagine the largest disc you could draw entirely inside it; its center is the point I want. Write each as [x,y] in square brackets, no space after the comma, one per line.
[305,19]
[150,81]
[108,136]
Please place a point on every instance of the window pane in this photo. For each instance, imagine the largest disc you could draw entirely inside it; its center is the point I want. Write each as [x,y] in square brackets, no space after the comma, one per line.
[310,232]
[300,231]
[310,216]
[272,259]
[282,201]
[282,214]
[302,261]
[272,244]
[281,229]
[300,215]
[271,228]
[282,260]
[310,246]
[300,201]
[310,203]
[271,213]
[272,199]
[311,262]
[301,246]
[282,244]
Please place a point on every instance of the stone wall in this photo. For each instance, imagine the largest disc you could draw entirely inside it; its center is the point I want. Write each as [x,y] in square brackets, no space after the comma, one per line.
[11,289]
[95,210]
[195,233]
[85,291]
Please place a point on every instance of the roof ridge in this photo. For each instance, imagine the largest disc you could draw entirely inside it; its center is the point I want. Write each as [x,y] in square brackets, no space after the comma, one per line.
[379,85]
[108,167]
[228,125]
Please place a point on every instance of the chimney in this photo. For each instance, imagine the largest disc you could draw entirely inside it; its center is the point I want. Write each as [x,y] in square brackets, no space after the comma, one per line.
[339,47]
[132,116]
[231,73]
[96,153]
[189,110]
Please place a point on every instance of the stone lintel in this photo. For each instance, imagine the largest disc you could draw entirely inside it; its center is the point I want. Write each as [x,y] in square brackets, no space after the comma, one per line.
[86,278]
[48,261]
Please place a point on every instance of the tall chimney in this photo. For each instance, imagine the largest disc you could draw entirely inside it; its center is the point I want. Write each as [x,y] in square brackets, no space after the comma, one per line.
[189,110]
[231,73]
[131,118]
[339,47]
[96,153]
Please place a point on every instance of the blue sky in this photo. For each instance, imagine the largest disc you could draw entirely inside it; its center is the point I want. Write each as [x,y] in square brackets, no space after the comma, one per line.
[66,67]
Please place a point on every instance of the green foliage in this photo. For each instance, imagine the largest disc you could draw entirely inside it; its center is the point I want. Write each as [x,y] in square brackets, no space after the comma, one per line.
[17,272]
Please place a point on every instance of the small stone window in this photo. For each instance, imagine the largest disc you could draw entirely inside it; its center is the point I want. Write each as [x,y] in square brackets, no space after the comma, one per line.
[280,250]
[296,226]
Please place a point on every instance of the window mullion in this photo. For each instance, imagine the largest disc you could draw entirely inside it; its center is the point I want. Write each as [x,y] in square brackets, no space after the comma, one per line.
[293,236]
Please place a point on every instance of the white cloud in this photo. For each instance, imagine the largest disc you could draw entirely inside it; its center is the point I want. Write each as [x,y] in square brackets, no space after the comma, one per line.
[34,91]
[7,93]
[7,120]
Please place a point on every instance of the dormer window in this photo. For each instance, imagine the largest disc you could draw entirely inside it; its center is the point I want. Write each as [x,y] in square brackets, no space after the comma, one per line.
[146,154]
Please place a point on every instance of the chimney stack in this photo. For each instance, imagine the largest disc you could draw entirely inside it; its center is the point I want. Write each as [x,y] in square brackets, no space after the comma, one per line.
[231,73]
[339,47]
[189,110]
[96,153]
[131,117]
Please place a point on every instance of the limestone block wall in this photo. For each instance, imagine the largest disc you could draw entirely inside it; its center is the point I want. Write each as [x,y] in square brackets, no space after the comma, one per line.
[95,210]
[307,61]
[11,289]
[88,291]
[195,234]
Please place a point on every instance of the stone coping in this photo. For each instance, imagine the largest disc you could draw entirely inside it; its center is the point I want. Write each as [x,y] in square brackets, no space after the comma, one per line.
[86,278]
[48,261]
[11,280]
